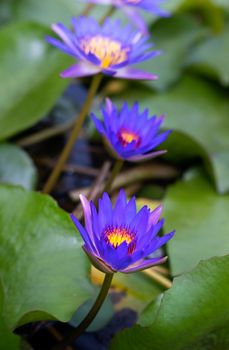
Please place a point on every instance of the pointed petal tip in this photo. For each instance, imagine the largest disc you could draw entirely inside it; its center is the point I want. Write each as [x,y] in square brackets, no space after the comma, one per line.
[83,198]
[72,216]
[54,26]
[157,211]
[108,105]
[169,235]
[172,233]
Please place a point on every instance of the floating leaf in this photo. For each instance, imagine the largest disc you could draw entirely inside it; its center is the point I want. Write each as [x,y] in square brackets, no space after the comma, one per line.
[43,269]
[190,312]
[16,167]
[52,11]
[211,57]
[174,36]
[200,216]
[29,72]
[8,340]
[200,111]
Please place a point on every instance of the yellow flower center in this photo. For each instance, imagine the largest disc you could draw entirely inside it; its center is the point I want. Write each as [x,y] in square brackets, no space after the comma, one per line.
[126,137]
[108,51]
[117,235]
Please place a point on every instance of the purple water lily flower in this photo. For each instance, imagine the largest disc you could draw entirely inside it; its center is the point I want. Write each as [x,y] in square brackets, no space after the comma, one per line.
[108,48]
[119,238]
[132,7]
[131,134]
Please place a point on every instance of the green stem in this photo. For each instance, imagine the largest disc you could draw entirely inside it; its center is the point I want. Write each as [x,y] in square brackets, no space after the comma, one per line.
[88,9]
[73,136]
[109,13]
[115,171]
[75,333]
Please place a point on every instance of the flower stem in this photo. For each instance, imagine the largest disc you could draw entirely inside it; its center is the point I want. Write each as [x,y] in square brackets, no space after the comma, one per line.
[73,136]
[115,171]
[88,9]
[75,333]
[109,13]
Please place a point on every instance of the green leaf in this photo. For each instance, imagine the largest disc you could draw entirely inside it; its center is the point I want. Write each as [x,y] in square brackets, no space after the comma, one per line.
[5,11]
[8,340]
[47,12]
[174,36]
[200,217]
[43,269]
[51,11]
[16,167]
[211,57]
[29,72]
[195,307]
[199,110]
[221,3]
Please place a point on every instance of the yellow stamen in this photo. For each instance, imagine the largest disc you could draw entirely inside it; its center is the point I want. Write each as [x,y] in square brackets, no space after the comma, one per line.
[117,235]
[108,51]
[127,137]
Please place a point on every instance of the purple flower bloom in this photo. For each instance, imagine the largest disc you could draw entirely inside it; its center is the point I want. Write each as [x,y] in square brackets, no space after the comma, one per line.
[120,238]
[108,48]
[131,9]
[131,134]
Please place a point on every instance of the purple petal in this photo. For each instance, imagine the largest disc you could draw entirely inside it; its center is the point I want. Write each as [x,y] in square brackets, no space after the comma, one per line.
[131,73]
[78,70]
[119,208]
[87,215]
[64,33]
[104,213]
[109,106]
[154,216]
[145,264]
[147,156]
[98,124]
[147,240]
[98,263]
[130,210]
[158,242]
[139,222]
[84,234]
[61,46]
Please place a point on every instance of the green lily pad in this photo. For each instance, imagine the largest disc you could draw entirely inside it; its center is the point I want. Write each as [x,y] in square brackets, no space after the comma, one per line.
[199,110]
[29,72]
[43,269]
[16,167]
[222,3]
[52,11]
[200,217]
[211,57]
[8,340]
[174,36]
[193,310]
